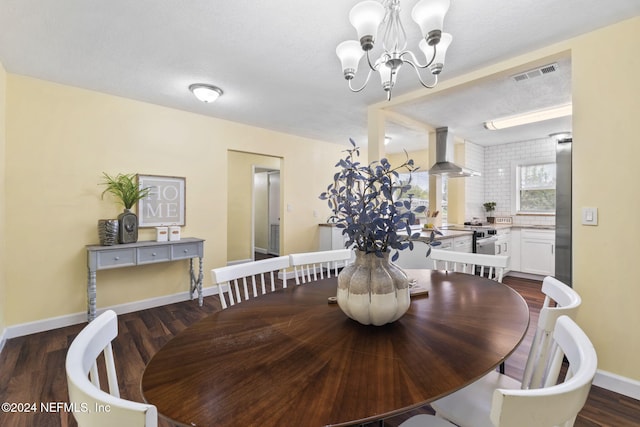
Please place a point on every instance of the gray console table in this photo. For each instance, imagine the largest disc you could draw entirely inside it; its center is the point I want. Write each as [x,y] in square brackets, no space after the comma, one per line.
[141,253]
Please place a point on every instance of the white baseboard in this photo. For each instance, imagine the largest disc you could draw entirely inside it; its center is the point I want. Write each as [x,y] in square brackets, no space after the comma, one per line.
[3,339]
[525,275]
[261,250]
[75,318]
[618,384]
[288,275]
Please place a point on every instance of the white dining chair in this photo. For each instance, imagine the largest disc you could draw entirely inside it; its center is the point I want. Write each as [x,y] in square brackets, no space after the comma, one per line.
[240,282]
[94,407]
[311,266]
[491,266]
[471,405]
[554,405]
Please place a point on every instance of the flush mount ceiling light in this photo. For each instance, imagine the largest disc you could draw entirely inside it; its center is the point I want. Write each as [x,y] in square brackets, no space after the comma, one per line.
[530,117]
[368,15]
[205,93]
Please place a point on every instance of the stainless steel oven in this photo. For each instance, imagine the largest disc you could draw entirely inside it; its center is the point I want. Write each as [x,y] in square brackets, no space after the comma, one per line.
[485,239]
[487,245]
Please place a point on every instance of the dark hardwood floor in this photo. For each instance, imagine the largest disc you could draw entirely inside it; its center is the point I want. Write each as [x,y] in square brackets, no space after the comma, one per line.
[32,367]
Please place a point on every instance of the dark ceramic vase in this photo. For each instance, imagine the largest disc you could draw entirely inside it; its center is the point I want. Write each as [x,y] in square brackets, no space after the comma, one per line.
[128,227]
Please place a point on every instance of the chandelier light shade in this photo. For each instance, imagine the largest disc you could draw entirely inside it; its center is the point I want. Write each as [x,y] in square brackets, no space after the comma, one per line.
[438,61]
[206,93]
[350,54]
[429,15]
[368,16]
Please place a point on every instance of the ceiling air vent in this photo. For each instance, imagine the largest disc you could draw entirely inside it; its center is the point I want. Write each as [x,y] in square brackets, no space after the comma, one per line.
[545,69]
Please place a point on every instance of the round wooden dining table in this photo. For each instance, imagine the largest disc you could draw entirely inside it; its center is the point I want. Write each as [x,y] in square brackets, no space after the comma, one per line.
[290,358]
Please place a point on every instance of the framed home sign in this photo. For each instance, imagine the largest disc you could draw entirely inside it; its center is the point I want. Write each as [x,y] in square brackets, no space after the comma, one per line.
[165,204]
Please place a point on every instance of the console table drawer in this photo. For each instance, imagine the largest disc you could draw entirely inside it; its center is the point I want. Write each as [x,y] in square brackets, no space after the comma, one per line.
[186,250]
[154,254]
[116,258]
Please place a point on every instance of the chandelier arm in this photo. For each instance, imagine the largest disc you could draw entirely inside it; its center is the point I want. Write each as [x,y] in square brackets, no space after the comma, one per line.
[373,67]
[414,61]
[363,85]
[417,70]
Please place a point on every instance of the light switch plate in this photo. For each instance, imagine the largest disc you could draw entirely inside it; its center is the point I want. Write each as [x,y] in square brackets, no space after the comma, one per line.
[589,216]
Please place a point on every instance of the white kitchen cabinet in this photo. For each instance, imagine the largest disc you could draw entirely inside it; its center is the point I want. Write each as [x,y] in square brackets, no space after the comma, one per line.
[416,258]
[463,244]
[537,251]
[331,238]
[503,241]
[514,250]
[445,244]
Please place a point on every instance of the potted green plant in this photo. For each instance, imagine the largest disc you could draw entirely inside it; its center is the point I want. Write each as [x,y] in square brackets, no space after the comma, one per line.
[368,205]
[490,207]
[125,188]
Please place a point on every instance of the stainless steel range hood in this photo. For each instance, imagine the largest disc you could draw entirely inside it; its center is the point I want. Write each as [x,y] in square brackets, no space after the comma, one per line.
[442,166]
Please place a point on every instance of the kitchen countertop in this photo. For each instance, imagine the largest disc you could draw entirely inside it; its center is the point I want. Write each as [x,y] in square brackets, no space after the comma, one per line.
[446,234]
[502,226]
[535,227]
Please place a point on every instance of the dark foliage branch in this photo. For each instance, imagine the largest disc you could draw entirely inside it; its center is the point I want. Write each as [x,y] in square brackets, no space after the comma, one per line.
[367,204]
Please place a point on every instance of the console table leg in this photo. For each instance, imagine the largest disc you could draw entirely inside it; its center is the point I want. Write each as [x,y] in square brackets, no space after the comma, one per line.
[200,282]
[196,283]
[91,296]
[192,281]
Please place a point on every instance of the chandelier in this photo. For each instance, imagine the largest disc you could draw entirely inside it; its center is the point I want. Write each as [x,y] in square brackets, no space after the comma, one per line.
[368,15]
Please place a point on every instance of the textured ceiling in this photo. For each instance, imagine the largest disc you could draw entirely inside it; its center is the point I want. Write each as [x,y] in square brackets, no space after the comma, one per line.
[464,110]
[276,60]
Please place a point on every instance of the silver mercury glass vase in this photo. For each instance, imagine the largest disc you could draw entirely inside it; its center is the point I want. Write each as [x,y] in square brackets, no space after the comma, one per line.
[108,231]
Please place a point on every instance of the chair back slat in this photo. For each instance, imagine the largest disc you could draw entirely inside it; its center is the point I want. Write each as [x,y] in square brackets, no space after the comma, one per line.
[110,364]
[311,266]
[560,300]
[491,266]
[247,279]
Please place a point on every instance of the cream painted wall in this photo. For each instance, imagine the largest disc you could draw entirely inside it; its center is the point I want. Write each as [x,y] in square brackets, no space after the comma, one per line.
[60,139]
[240,200]
[420,159]
[606,103]
[3,127]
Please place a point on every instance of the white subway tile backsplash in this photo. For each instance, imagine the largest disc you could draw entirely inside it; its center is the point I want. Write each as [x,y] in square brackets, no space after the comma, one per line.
[474,186]
[498,176]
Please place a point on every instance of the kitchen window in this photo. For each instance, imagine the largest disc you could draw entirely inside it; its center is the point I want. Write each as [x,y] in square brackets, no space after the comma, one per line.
[419,192]
[536,188]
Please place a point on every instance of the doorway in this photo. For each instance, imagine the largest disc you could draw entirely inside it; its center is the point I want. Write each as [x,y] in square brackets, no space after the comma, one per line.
[249,178]
[266,211]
